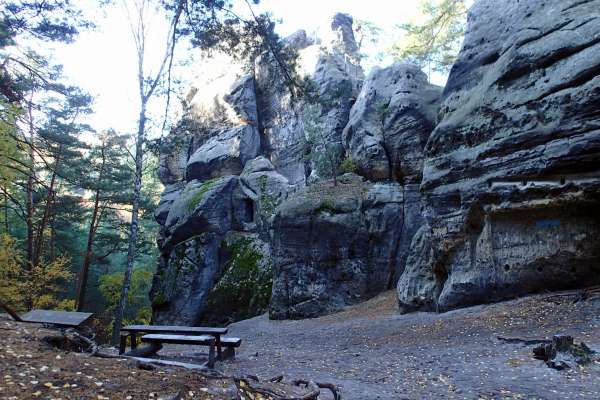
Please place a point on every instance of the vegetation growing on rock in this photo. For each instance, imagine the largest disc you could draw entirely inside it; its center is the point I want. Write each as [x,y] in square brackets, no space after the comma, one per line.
[244,289]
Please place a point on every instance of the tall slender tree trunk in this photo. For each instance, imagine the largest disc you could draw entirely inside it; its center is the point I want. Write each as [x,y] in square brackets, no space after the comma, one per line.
[6,227]
[137,189]
[39,243]
[29,200]
[83,275]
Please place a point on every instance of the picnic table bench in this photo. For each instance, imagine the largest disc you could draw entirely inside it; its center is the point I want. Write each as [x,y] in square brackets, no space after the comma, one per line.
[194,335]
[70,319]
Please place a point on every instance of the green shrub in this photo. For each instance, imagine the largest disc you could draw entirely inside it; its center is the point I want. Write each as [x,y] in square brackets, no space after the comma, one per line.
[325,206]
[348,165]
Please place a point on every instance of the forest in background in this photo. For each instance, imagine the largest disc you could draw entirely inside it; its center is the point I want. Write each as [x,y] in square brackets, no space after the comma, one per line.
[70,196]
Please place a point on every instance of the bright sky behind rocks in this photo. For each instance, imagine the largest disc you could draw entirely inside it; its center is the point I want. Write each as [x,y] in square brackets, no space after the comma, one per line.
[103,61]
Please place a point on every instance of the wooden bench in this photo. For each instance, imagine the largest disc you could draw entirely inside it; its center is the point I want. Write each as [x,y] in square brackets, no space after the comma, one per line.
[230,343]
[203,340]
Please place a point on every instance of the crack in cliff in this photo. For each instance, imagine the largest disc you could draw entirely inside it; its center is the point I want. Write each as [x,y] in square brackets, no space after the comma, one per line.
[396,248]
[577,4]
[543,62]
[579,80]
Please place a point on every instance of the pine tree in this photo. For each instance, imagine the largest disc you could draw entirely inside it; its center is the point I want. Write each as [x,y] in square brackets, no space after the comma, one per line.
[433,42]
[108,180]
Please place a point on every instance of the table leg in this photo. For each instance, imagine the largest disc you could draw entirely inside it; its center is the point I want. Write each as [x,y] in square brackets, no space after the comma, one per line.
[122,343]
[219,349]
[211,356]
[133,341]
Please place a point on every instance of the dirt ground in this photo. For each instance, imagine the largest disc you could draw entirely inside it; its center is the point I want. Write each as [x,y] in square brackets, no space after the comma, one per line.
[370,350]
[374,353]
[30,369]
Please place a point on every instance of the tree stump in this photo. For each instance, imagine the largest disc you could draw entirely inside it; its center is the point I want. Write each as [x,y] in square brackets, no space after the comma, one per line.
[563,353]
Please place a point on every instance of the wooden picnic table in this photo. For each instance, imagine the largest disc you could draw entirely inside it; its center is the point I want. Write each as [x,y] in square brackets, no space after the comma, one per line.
[61,318]
[176,330]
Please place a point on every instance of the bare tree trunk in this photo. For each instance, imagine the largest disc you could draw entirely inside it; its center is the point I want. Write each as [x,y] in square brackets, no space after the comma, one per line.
[147,86]
[137,188]
[6,230]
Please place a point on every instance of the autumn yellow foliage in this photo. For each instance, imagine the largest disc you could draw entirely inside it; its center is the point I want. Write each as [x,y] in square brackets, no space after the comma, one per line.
[37,285]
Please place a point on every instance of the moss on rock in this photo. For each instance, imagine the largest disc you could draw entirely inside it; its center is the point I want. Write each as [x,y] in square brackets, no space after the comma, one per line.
[244,289]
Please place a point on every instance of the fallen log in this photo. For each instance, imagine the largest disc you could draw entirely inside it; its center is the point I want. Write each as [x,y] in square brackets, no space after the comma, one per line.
[250,387]
[527,342]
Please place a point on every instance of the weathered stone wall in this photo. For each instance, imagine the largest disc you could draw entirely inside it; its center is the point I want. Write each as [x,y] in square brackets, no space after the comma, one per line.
[484,190]
[512,172]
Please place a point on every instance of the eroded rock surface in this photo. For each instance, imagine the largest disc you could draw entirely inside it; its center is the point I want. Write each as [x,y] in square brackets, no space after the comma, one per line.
[337,245]
[390,123]
[511,178]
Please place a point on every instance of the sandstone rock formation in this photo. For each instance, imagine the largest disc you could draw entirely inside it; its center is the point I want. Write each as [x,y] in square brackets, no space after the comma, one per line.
[236,154]
[511,178]
[485,191]
[391,122]
[334,246]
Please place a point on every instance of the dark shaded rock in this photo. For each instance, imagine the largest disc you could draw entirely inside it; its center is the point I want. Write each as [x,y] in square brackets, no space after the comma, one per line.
[337,245]
[243,287]
[217,206]
[511,179]
[184,278]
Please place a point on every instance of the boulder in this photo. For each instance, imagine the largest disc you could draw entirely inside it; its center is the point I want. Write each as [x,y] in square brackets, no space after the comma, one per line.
[216,206]
[390,123]
[242,98]
[511,180]
[267,188]
[335,246]
[224,154]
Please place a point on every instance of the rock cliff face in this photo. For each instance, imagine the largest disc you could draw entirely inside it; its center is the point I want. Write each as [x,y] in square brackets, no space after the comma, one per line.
[512,171]
[237,153]
[481,191]
[336,246]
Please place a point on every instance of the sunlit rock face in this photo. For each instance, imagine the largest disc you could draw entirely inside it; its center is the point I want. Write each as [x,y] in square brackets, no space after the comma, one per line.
[390,123]
[238,151]
[511,179]
[332,64]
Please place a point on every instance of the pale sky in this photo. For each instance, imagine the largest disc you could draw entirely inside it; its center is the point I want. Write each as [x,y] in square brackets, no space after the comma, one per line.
[103,61]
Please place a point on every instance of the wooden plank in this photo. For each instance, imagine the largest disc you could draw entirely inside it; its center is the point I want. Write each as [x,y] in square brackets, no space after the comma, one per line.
[175,329]
[180,339]
[230,341]
[63,318]
[169,363]
[10,311]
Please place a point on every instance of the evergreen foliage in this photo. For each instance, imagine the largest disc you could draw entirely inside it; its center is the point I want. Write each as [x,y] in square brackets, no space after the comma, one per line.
[434,39]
